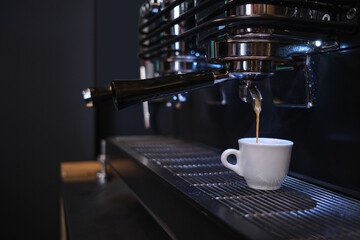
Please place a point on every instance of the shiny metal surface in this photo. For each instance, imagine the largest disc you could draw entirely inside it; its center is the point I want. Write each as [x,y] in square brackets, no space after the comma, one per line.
[280,50]
[181,56]
[299,210]
[252,40]
[252,9]
[263,47]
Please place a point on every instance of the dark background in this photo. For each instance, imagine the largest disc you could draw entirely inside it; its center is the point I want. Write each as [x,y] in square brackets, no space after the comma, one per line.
[49,51]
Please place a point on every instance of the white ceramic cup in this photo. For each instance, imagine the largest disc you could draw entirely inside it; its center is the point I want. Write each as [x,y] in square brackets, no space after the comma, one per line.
[264,165]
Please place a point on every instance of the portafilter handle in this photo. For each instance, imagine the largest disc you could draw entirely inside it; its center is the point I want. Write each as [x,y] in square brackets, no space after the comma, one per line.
[97,95]
[129,92]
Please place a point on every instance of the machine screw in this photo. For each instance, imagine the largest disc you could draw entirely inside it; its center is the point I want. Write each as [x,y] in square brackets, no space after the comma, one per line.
[351,14]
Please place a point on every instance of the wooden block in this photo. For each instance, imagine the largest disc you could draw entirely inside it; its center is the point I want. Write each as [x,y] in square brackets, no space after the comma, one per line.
[79,171]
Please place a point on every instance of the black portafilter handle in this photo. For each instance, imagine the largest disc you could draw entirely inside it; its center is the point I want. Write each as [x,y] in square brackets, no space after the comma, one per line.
[97,95]
[129,92]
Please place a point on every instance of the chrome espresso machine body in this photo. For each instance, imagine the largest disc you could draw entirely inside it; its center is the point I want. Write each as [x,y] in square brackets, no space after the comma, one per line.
[202,64]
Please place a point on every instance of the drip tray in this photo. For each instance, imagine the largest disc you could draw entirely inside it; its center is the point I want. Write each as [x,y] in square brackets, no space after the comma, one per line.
[190,193]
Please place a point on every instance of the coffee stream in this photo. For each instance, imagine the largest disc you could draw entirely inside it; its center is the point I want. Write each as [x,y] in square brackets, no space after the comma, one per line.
[257,107]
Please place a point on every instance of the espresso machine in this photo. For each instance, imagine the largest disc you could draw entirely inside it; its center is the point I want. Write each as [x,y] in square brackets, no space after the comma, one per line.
[203,65]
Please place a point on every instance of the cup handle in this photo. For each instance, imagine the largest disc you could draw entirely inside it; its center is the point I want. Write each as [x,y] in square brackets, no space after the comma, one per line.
[235,167]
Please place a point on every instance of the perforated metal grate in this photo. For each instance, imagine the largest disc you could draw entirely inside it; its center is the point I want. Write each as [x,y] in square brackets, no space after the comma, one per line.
[299,210]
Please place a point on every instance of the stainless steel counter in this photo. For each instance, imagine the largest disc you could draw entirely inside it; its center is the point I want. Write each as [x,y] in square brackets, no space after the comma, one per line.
[167,173]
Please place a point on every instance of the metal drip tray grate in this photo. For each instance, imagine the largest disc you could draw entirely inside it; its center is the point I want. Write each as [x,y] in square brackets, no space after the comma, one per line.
[299,210]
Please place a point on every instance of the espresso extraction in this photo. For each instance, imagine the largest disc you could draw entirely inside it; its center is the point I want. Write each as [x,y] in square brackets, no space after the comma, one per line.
[202,64]
[257,98]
